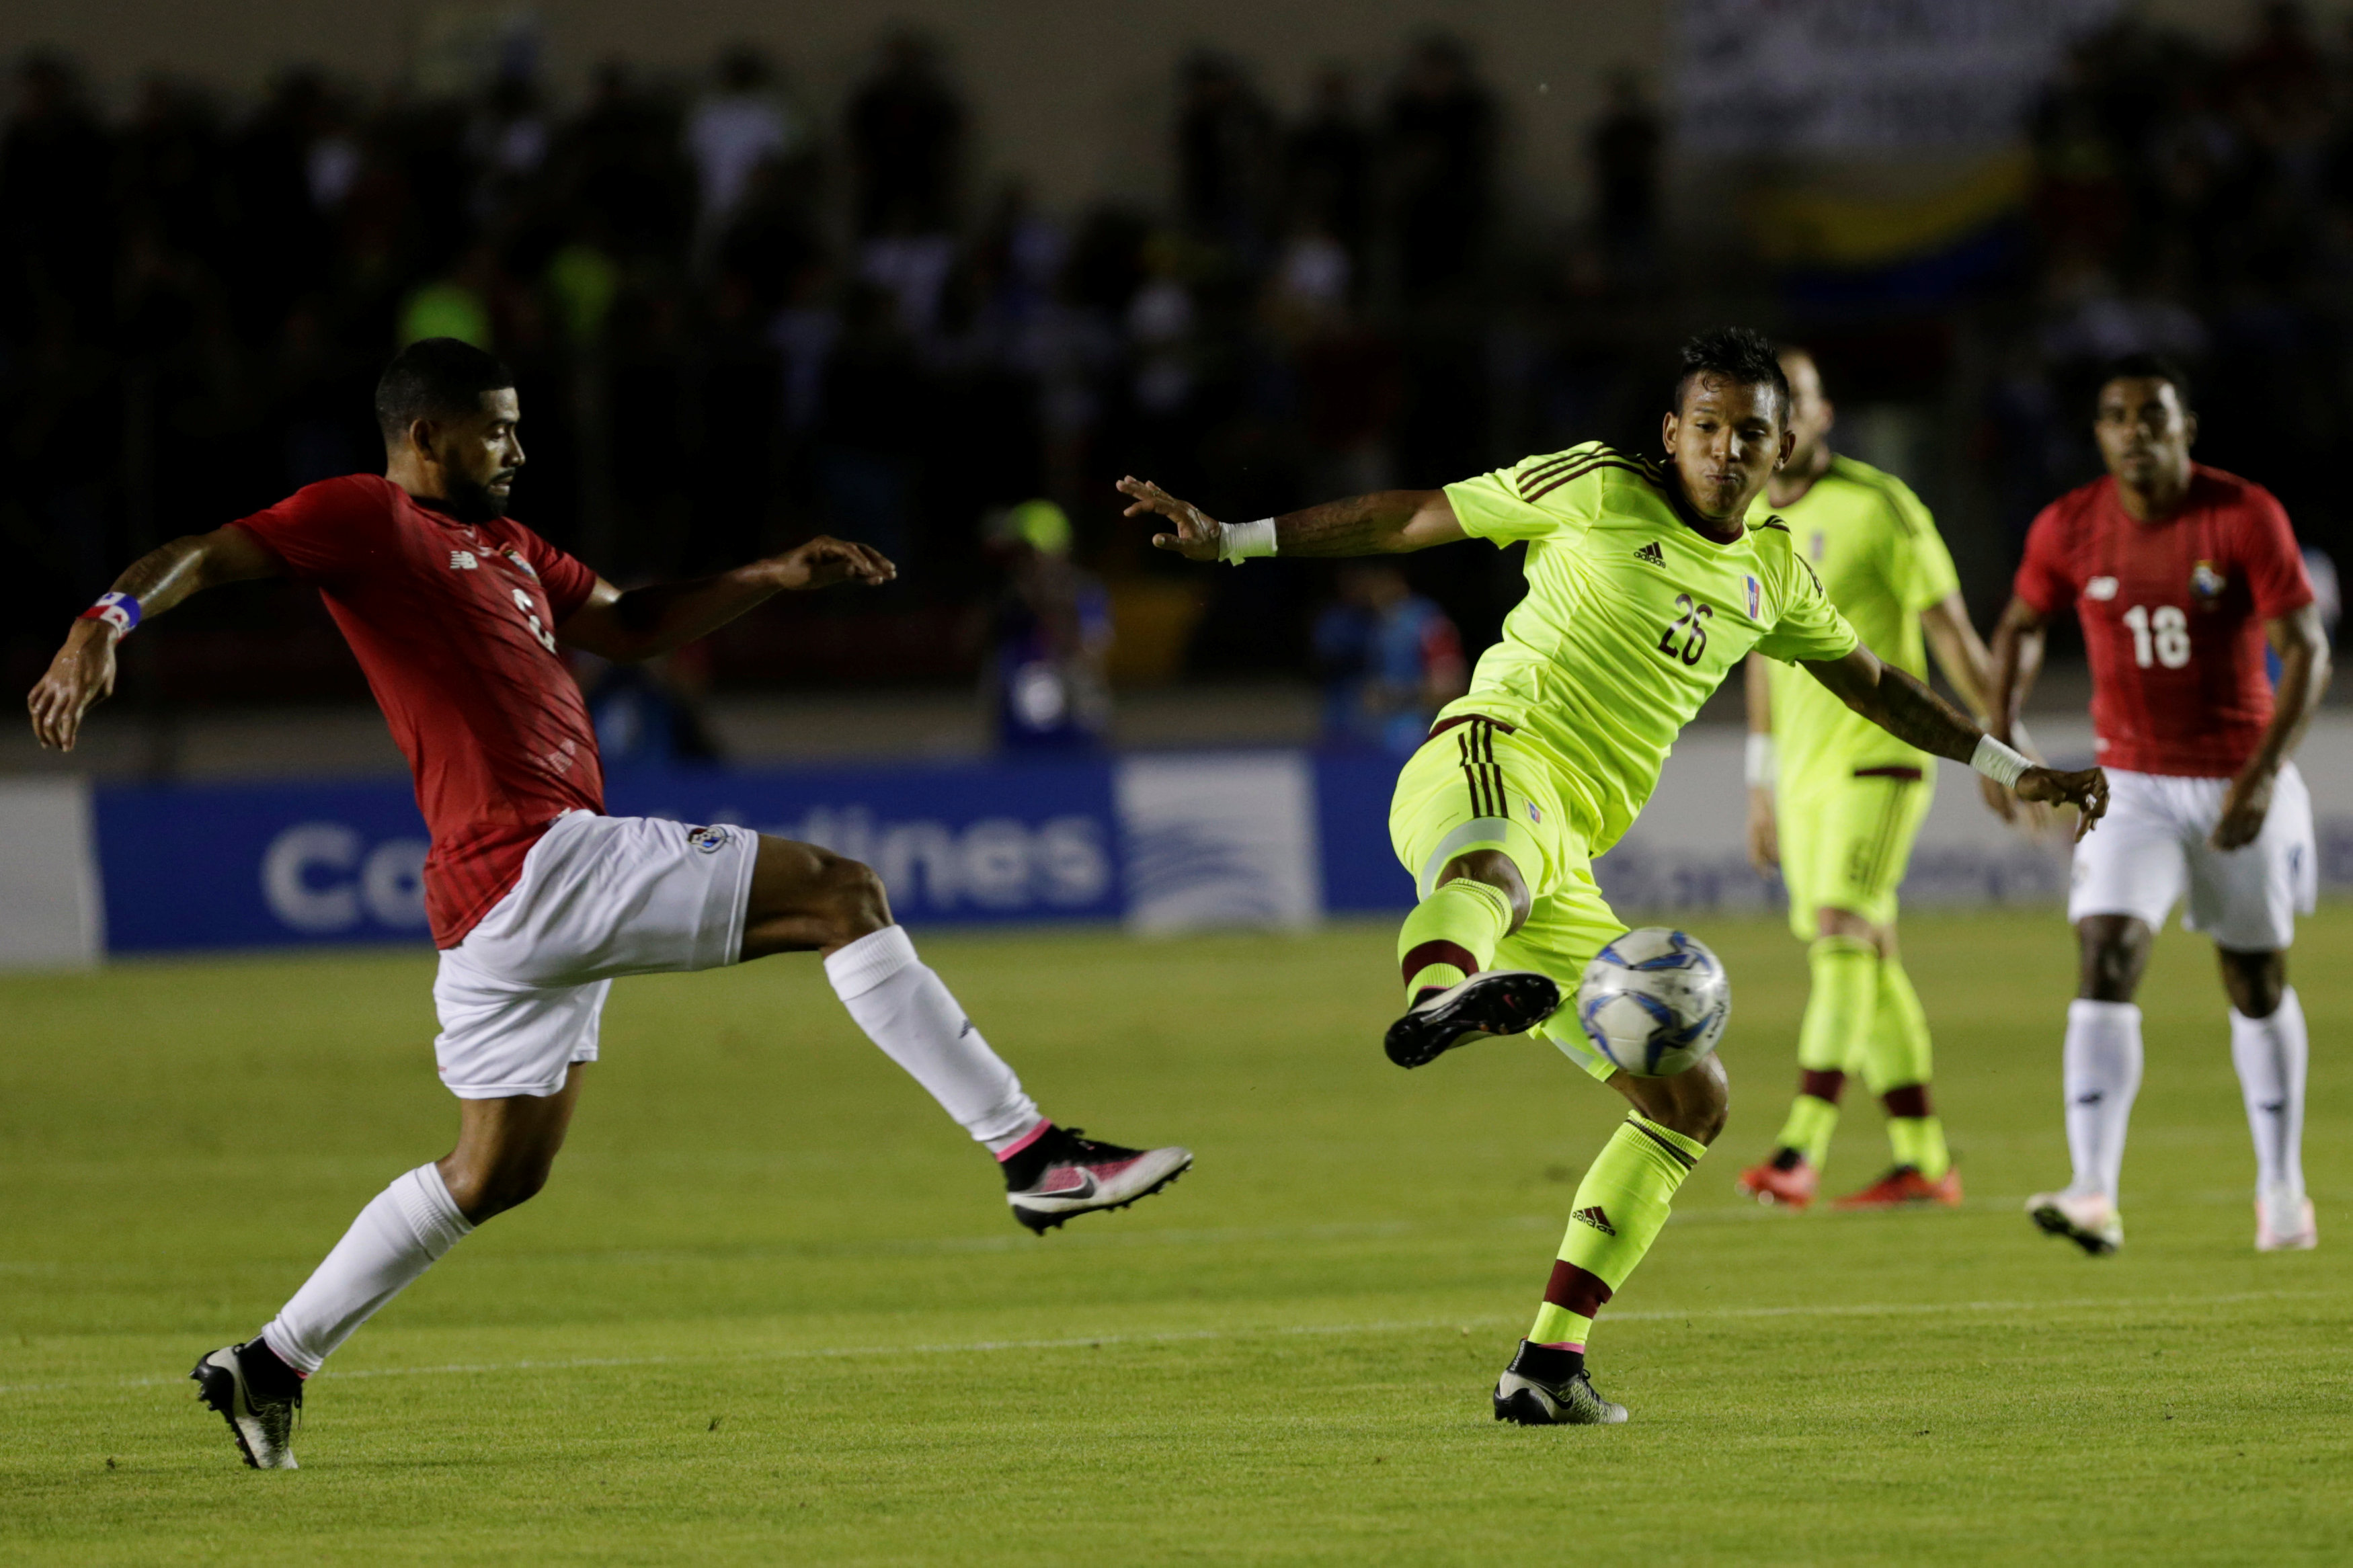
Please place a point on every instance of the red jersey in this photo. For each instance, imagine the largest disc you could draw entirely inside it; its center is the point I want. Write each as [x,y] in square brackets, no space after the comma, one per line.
[2173,614]
[454,622]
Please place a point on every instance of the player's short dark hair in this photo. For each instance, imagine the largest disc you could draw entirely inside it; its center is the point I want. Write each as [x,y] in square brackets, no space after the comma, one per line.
[2146,366]
[1741,354]
[435,377]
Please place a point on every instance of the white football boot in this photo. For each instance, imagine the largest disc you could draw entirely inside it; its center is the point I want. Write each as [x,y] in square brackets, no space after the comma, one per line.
[2283,1221]
[2087,1219]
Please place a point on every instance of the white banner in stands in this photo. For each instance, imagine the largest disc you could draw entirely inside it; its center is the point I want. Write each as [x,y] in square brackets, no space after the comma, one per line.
[1867,76]
[1219,841]
[49,909]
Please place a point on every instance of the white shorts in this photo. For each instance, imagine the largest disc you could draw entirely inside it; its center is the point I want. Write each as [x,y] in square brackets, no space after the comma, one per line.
[2152,846]
[599,896]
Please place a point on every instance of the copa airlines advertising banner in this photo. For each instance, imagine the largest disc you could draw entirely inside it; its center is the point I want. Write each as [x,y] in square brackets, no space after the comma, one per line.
[1163,842]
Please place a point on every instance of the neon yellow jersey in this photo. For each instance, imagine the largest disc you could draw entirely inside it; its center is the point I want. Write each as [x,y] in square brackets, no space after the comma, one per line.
[1879,556]
[1632,618]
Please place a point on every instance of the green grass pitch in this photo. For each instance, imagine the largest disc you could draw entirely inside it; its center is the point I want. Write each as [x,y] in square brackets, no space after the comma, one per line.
[773,1310]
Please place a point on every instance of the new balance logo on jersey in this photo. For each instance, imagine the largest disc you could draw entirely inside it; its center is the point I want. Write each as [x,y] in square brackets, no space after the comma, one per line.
[1596,1219]
[2100,588]
[463,561]
[1651,554]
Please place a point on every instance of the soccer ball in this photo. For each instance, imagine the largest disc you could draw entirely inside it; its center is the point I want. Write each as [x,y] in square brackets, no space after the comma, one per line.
[1654,1002]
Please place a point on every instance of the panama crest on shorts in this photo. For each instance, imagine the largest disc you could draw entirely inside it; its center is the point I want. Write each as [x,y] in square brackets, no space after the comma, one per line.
[710,840]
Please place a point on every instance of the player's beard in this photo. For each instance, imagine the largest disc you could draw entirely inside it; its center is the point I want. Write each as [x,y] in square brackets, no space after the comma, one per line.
[470,502]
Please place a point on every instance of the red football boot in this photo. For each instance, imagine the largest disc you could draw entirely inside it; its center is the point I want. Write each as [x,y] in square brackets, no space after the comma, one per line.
[1906,1187]
[1790,1186]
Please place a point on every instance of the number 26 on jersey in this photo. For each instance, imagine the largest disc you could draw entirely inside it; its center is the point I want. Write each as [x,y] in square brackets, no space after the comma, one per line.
[1690,626]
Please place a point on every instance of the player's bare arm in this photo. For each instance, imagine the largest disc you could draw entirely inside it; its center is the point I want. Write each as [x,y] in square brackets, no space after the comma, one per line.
[1969,666]
[1908,710]
[1764,830]
[82,673]
[2302,645]
[2018,640]
[1386,522]
[645,622]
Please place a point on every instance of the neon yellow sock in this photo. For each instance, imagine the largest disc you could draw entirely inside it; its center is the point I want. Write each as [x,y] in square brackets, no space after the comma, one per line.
[1919,1141]
[1615,1215]
[1840,1006]
[1452,935]
[1808,1130]
[1901,1060]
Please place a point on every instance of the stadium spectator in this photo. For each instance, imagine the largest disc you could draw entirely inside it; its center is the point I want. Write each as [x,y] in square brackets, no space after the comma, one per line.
[744,123]
[905,130]
[1389,660]
[1441,149]
[1328,162]
[1052,635]
[1224,146]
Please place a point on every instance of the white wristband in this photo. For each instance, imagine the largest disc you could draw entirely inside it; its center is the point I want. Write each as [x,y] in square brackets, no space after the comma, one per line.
[1759,762]
[1999,762]
[1237,541]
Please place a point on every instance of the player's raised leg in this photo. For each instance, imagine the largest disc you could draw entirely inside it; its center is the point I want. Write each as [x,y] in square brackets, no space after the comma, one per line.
[1476,857]
[804,898]
[1619,1208]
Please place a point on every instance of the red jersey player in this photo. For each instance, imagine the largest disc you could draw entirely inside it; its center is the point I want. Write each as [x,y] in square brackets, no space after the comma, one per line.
[538,900]
[2181,575]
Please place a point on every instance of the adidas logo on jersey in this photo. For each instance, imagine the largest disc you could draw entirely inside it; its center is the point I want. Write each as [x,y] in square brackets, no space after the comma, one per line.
[463,561]
[1596,1219]
[1651,554]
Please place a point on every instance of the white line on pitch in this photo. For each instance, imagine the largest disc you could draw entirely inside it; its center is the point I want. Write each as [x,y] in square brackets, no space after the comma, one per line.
[1183,1336]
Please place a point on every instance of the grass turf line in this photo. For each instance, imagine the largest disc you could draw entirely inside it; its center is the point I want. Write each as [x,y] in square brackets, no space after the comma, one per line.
[688,1344]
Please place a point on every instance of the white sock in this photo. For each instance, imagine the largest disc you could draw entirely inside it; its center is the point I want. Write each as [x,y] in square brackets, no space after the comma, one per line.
[403,1230]
[2103,1074]
[905,1009]
[2270,1054]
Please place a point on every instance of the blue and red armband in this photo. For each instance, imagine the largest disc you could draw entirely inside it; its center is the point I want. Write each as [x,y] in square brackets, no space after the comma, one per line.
[120,611]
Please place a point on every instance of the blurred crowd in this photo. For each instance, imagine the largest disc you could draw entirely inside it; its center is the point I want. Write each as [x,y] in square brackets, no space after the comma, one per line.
[2195,202]
[735,322]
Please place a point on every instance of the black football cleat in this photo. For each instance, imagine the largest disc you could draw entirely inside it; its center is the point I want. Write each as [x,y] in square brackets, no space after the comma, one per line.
[1063,1175]
[1499,1002]
[259,1415]
[1549,1387]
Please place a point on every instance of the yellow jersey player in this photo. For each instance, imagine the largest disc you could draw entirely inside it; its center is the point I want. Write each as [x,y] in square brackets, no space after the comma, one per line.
[1647,586]
[1834,802]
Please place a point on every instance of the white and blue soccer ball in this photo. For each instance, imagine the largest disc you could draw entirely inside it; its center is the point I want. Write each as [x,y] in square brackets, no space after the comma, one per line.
[1654,1002]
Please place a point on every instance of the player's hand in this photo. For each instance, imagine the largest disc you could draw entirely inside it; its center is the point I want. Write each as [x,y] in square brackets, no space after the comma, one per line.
[2031,817]
[825,560]
[2086,790]
[1764,833]
[1199,536]
[2243,810]
[82,674]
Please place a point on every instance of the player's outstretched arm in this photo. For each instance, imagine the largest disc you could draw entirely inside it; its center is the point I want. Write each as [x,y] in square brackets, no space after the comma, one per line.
[2302,643]
[1912,714]
[1387,522]
[82,673]
[645,622]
